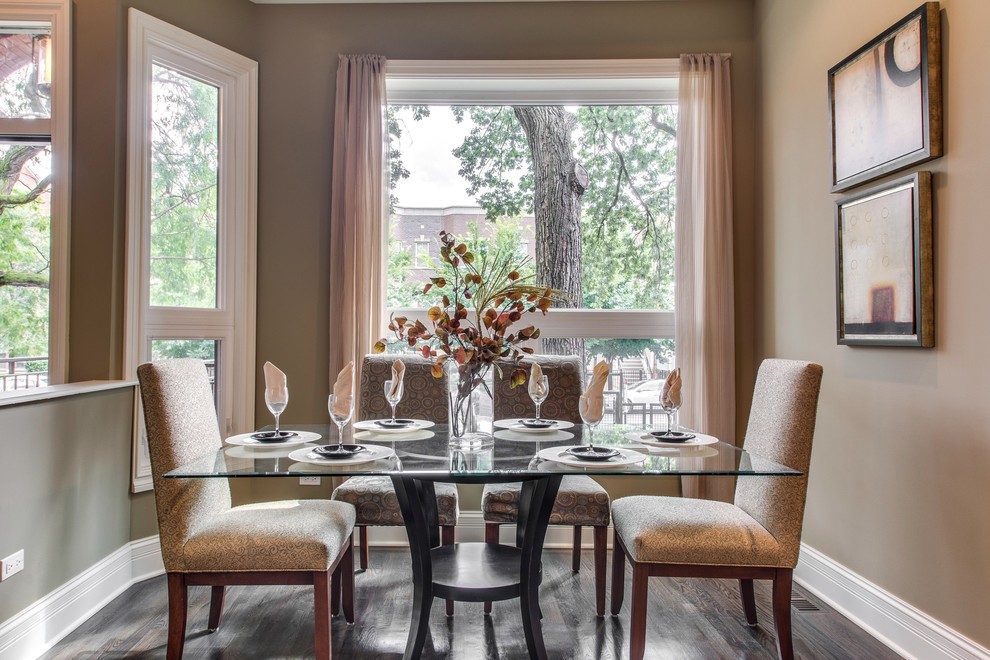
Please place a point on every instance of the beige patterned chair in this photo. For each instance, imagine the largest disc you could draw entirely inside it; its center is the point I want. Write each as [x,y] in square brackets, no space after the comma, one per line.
[581,501]
[205,540]
[756,537]
[425,397]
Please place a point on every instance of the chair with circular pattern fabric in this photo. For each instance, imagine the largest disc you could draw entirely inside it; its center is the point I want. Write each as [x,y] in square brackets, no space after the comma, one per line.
[581,501]
[374,498]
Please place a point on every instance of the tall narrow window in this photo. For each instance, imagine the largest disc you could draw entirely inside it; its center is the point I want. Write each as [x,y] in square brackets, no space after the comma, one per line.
[192,165]
[33,194]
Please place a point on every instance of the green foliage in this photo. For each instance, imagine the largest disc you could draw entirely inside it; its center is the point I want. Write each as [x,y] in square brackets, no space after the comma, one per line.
[204,349]
[184,180]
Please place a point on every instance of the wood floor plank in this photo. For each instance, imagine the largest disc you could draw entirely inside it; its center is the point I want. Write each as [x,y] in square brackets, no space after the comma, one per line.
[687,619]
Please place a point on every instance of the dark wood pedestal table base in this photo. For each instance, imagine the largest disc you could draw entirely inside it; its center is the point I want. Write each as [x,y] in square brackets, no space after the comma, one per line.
[476,572]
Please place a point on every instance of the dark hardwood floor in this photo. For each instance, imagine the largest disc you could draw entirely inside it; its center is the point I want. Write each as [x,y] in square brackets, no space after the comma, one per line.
[687,619]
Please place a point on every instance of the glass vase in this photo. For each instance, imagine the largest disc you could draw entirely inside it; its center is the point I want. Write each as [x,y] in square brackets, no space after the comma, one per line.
[471,408]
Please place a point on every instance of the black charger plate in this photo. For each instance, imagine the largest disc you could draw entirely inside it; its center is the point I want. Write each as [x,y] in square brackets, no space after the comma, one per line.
[397,424]
[271,436]
[339,451]
[538,423]
[591,453]
[672,436]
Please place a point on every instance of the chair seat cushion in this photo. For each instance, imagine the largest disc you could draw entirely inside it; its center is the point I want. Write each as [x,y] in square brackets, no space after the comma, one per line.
[580,501]
[288,535]
[377,505]
[674,530]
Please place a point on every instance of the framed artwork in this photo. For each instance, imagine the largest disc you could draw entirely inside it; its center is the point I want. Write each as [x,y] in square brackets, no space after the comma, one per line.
[884,288]
[885,101]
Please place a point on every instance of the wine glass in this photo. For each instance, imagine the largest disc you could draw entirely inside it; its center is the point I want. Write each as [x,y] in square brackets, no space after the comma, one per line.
[539,390]
[393,398]
[669,409]
[276,398]
[591,416]
[340,414]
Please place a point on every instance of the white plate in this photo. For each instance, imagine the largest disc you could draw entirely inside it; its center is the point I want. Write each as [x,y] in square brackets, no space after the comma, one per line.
[374,453]
[369,425]
[392,436]
[245,440]
[625,457]
[641,438]
[251,452]
[514,425]
[543,436]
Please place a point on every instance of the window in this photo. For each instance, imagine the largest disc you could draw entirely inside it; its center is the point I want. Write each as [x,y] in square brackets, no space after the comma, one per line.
[34,168]
[463,140]
[192,165]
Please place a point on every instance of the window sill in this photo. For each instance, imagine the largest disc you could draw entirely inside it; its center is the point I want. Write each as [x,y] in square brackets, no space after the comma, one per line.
[19,397]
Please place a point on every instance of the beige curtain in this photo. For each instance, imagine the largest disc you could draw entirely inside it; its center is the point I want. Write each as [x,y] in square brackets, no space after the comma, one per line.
[357,212]
[705,323]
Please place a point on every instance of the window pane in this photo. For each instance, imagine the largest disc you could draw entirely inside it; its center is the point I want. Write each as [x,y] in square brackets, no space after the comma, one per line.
[184,182]
[205,349]
[605,181]
[25,235]
[25,73]
[638,369]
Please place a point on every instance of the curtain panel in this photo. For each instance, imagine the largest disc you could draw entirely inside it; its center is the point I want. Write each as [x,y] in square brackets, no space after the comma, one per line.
[357,213]
[705,318]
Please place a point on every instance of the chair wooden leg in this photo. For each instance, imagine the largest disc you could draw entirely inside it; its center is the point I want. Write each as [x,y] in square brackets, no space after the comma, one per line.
[176,615]
[637,626]
[447,538]
[576,549]
[346,572]
[748,600]
[216,607]
[364,547]
[335,591]
[782,613]
[321,613]
[618,574]
[491,536]
[601,559]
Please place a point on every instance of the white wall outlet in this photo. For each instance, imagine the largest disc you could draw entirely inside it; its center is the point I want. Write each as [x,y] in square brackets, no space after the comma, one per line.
[309,481]
[11,565]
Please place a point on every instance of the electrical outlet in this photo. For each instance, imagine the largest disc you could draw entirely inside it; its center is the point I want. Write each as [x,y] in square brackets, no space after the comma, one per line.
[11,565]
[309,481]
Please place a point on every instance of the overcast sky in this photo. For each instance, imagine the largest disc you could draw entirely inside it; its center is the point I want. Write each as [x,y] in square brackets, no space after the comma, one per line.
[426,147]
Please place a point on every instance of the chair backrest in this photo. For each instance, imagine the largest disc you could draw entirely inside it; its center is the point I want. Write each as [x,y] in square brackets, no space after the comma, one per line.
[781,428]
[424,397]
[181,421]
[566,377]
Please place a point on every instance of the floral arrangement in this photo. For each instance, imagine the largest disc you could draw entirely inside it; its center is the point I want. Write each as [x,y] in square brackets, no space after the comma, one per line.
[480,301]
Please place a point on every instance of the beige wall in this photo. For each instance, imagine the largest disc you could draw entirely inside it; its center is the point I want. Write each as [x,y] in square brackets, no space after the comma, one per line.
[899,480]
[63,492]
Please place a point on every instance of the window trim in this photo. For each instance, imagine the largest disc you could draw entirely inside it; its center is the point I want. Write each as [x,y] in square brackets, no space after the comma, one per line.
[232,321]
[56,13]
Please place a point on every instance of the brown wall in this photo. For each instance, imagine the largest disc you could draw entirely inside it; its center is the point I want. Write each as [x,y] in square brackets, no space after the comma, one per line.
[898,489]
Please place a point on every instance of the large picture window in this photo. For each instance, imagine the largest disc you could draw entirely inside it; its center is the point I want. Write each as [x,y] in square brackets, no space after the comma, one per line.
[568,166]
[192,163]
[34,165]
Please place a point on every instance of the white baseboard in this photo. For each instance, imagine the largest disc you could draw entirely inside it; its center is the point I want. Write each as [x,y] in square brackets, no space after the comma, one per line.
[904,628]
[37,628]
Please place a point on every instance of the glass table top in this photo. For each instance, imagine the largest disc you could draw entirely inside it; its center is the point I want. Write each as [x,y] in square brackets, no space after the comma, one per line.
[426,454]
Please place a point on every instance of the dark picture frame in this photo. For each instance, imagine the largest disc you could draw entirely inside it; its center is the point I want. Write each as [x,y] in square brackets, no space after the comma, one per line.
[884,265]
[885,101]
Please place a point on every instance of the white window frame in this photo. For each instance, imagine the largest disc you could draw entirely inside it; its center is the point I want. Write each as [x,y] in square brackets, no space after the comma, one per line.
[57,14]
[232,322]
[546,82]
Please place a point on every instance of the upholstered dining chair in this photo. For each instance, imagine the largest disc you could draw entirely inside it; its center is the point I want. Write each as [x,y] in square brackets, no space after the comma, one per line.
[374,498]
[205,540]
[581,501]
[755,537]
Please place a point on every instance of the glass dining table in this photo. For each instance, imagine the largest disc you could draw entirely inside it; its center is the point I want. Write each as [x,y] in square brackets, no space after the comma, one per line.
[477,572]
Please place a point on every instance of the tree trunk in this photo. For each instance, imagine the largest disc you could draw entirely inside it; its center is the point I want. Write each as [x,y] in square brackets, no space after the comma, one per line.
[559,182]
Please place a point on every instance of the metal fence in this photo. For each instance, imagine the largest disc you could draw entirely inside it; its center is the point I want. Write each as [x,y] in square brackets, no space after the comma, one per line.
[22,373]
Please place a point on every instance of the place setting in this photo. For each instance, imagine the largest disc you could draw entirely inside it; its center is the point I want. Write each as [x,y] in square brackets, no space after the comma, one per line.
[669,436]
[523,429]
[276,399]
[395,428]
[591,406]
